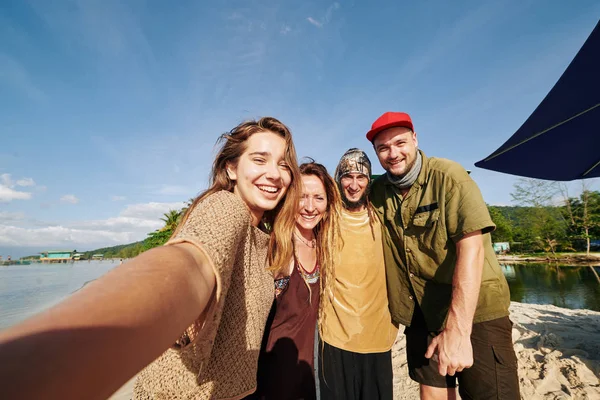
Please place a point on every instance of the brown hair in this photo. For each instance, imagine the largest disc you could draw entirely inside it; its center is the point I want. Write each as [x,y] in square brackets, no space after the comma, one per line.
[281,220]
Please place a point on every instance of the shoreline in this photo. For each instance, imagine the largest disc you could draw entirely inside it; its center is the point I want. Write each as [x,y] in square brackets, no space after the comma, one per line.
[561,259]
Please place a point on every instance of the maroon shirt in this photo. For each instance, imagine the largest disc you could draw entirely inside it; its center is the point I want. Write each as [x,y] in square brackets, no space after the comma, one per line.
[285,366]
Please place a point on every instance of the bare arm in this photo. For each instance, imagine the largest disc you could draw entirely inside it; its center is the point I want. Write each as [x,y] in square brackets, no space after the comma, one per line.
[453,344]
[89,345]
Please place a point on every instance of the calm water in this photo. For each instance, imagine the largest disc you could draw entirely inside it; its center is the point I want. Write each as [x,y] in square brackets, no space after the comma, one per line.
[568,287]
[27,289]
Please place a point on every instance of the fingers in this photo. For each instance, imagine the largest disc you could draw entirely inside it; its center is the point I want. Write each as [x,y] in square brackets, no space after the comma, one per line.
[453,368]
[442,368]
[431,348]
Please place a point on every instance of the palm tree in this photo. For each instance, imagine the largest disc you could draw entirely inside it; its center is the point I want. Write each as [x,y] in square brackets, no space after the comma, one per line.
[170,219]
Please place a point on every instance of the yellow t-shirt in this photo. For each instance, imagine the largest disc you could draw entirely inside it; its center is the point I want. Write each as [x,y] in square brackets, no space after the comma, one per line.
[358,318]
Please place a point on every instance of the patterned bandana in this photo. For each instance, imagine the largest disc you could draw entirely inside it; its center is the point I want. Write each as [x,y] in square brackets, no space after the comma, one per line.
[353,161]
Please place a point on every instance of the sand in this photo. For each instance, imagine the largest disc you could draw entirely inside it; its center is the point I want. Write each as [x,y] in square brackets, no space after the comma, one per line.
[558,352]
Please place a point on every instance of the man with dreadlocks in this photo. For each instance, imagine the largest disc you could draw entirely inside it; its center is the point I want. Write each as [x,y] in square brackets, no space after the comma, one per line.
[357,332]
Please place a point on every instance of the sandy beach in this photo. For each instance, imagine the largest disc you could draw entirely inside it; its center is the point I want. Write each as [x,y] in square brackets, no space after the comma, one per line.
[558,352]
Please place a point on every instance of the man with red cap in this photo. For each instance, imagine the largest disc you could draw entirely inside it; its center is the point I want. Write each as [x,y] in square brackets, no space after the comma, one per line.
[443,278]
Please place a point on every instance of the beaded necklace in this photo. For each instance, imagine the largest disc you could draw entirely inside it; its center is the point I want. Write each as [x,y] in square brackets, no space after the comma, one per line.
[309,277]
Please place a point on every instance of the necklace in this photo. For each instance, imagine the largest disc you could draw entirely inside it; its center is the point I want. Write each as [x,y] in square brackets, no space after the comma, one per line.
[309,243]
[311,277]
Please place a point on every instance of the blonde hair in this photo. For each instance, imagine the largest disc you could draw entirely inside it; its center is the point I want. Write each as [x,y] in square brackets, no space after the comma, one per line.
[327,235]
[282,219]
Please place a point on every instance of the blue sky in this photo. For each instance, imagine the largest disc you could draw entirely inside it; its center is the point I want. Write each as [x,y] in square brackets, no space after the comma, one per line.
[109,110]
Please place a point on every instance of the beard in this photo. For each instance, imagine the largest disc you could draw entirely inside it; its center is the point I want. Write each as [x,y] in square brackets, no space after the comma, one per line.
[409,168]
[349,204]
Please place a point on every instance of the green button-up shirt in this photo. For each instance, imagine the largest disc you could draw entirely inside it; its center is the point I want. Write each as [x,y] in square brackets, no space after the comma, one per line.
[420,232]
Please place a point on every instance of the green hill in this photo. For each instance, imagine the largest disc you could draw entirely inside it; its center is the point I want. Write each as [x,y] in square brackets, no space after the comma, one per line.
[121,251]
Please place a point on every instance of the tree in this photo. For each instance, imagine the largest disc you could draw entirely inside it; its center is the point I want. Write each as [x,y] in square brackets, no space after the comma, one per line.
[504,227]
[157,238]
[583,213]
[171,219]
[543,221]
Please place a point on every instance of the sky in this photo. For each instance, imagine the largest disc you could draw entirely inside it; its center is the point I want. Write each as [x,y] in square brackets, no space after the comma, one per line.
[110,110]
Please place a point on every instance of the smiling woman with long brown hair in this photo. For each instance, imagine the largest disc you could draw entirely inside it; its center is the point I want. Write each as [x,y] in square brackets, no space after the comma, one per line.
[204,297]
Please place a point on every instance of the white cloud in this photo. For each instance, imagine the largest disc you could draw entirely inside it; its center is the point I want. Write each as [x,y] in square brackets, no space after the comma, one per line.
[26,182]
[60,236]
[9,193]
[118,198]
[9,217]
[132,224]
[6,181]
[69,198]
[315,22]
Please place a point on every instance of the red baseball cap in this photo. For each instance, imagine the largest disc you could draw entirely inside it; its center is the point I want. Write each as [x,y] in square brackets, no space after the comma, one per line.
[389,120]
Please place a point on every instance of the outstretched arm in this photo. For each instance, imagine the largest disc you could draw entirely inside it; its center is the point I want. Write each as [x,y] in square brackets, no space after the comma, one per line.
[89,345]
[453,345]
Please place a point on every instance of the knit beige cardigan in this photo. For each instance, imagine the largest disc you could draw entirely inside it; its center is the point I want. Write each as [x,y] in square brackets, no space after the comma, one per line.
[219,359]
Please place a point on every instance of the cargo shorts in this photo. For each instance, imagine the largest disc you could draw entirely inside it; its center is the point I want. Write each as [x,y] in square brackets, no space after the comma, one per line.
[494,371]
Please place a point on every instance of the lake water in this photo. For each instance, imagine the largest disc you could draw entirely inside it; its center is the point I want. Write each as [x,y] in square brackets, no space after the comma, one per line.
[28,289]
[562,286]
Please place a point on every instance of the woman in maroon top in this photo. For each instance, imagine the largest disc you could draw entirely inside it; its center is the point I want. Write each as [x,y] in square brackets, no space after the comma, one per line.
[286,366]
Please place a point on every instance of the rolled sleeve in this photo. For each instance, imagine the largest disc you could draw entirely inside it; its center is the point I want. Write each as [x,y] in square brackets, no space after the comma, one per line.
[466,211]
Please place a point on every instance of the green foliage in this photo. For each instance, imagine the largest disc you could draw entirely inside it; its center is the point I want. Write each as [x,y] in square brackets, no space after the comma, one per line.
[171,220]
[543,227]
[162,235]
[121,251]
[541,223]
[157,238]
[504,226]
[582,215]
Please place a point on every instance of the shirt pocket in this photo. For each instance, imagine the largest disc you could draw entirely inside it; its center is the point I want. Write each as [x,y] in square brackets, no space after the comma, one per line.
[424,238]
[426,219]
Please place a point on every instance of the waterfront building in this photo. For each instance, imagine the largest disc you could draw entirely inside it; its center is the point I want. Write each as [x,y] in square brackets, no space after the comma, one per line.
[57,256]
